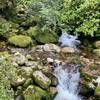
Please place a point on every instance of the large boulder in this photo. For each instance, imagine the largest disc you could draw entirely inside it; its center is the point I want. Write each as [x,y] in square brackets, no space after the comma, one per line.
[20,40]
[42,80]
[36,93]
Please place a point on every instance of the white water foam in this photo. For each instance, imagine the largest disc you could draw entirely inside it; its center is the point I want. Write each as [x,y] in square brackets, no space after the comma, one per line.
[68,40]
[68,80]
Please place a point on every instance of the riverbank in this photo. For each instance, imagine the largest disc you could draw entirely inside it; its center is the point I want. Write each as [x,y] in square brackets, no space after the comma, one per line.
[33,71]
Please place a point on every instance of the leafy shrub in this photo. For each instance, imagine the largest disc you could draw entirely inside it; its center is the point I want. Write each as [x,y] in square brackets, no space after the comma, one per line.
[81,16]
[7,75]
[43,35]
[20,40]
[7,28]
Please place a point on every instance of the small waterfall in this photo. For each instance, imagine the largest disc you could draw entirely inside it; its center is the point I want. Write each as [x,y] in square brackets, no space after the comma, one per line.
[68,82]
[68,40]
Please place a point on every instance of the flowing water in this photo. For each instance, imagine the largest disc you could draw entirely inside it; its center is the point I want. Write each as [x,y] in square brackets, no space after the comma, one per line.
[68,82]
[68,40]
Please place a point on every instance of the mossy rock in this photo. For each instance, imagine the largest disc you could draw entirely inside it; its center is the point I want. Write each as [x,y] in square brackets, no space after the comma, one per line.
[97,52]
[36,93]
[20,40]
[97,90]
[41,80]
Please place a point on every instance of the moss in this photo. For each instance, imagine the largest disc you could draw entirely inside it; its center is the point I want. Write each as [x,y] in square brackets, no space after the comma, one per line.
[33,31]
[86,76]
[8,28]
[7,76]
[20,40]
[47,38]
[97,90]
[36,93]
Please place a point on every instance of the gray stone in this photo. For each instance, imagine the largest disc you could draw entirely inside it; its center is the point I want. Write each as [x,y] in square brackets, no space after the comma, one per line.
[19,58]
[51,48]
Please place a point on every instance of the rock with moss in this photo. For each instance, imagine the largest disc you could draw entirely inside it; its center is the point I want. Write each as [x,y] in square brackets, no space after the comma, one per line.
[20,40]
[97,44]
[97,91]
[42,80]
[25,72]
[27,82]
[97,52]
[36,93]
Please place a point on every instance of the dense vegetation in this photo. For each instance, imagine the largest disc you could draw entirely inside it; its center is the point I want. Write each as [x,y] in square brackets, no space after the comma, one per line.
[27,22]
[37,18]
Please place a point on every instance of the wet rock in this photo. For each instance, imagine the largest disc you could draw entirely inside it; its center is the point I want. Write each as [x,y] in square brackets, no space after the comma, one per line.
[41,79]
[54,81]
[36,93]
[49,60]
[19,58]
[51,48]
[68,50]
[53,90]
[57,61]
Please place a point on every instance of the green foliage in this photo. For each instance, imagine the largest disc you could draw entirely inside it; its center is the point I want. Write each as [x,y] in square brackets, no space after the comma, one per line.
[77,16]
[42,35]
[7,28]
[81,16]
[20,40]
[7,75]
